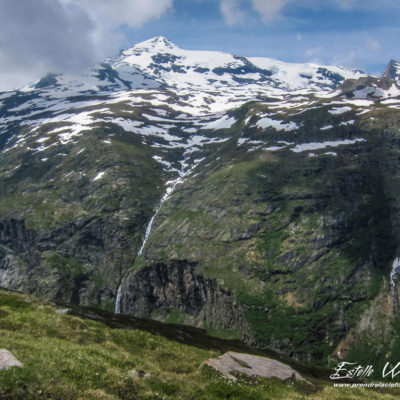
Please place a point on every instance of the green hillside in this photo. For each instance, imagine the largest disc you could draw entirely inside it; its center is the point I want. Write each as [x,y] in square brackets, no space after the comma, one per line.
[66,357]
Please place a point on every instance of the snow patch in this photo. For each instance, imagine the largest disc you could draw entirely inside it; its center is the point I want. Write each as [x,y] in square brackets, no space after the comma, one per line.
[223,123]
[98,176]
[346,123]
[339,110]
[277,125]
[316,146]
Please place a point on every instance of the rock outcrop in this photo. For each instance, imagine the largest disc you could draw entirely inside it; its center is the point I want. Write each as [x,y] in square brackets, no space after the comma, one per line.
[176,285]
[7,360]
[232,364]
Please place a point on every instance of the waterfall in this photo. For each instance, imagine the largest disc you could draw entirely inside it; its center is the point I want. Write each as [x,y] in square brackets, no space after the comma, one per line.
[395,270]
[394,282]
[117,309]
[171,185]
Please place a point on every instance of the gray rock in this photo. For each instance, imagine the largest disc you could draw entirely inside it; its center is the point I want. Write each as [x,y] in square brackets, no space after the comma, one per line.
[7,360]
[177,286]
[251,365]
[133,373]
[63,311]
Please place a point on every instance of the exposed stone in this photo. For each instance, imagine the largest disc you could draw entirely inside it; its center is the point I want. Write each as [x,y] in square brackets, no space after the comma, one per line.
[63,311]
[133,373]
[176,286]
[231,363]
[7,360]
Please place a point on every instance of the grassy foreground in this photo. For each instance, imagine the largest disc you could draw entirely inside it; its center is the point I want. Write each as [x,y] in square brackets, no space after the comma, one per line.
[66,357]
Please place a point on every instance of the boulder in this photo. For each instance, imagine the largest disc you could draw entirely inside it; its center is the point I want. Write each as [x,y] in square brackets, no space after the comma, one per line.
[231,363]
[7,360]
[63,311]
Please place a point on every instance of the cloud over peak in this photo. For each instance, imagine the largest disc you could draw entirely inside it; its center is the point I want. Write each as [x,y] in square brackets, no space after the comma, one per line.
[269,9]
[65,35]
[231,12]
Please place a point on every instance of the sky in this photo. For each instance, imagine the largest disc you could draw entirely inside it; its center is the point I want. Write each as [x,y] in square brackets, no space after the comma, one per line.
[71,36]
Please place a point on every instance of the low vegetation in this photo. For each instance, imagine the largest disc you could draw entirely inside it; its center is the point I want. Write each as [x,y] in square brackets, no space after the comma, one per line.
[66,357]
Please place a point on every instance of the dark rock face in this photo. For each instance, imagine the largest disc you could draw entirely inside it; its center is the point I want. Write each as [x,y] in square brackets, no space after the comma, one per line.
[80,262]
[352,85]
[176,286]
[392,71]
[17,254]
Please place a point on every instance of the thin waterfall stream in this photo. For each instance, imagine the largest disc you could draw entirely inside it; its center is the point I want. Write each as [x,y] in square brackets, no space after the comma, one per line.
[171,185]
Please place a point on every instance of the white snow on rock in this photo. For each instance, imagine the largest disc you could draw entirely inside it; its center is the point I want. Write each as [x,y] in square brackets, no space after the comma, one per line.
[277,125]
[274,148]
[390,101]
[98,176]
[223,123]
[163,162]
[360,102]
[339,110]
[346,123]
[316,146]
[284,142]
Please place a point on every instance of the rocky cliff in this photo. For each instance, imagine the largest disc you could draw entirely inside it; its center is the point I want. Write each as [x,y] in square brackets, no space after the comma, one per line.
[259,209]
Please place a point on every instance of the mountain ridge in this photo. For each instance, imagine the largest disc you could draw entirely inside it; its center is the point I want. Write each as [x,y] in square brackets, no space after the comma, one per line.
[237,205]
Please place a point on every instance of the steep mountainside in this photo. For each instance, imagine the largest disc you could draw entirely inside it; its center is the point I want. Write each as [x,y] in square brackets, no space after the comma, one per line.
[254,198]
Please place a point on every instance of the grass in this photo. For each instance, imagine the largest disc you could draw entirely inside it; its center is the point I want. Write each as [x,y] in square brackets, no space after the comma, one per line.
[66,357]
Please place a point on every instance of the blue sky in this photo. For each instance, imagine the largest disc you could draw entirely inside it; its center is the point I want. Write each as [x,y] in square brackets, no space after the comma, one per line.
[42,36]
[354,34]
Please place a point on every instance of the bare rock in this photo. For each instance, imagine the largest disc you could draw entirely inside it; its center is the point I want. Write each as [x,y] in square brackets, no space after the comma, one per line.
[7,360]
[63,311]
[230,363]
[133,373]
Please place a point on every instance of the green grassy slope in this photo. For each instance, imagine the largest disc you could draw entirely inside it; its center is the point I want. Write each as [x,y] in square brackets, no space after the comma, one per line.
[66,357]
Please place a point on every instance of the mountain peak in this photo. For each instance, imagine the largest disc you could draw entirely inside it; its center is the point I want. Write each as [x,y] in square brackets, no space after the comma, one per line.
[392,71]
[158,43]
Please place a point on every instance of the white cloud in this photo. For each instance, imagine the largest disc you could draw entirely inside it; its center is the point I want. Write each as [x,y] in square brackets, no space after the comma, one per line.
[269,9]
[133,13]
[313,51]
[42,36]
[372,44]
[231,12]
[348,59]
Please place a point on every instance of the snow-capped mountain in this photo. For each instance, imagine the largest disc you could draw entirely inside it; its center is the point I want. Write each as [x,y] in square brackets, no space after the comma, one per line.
[207,70]
[192,90]
[103,78]
[165,164]
[206,81]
